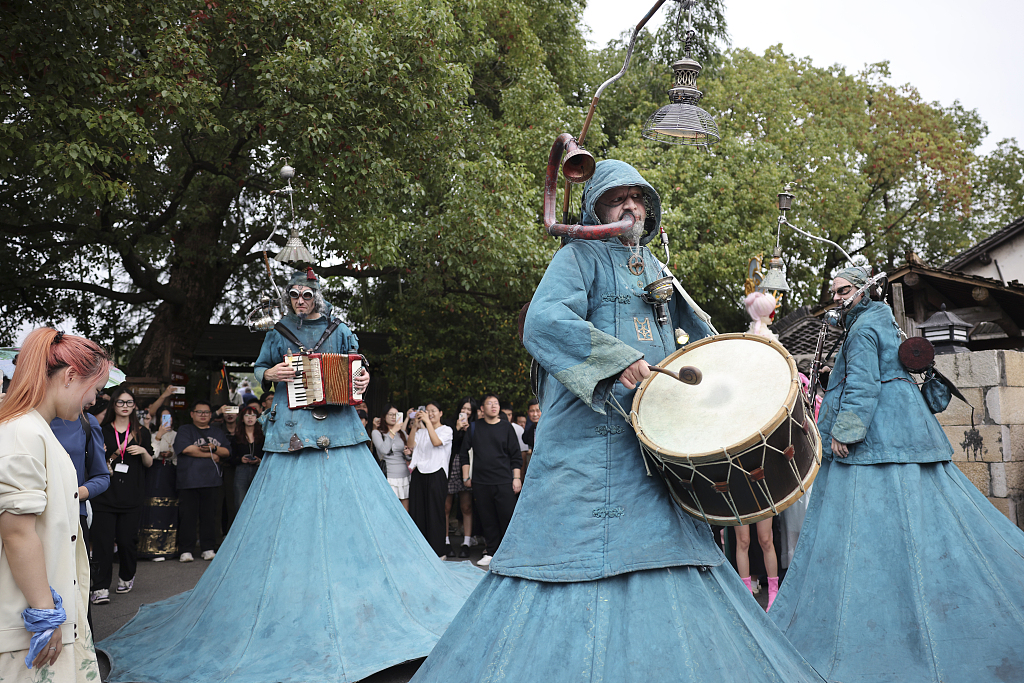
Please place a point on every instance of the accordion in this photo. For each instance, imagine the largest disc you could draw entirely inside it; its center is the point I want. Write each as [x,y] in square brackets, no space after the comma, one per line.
[324,379]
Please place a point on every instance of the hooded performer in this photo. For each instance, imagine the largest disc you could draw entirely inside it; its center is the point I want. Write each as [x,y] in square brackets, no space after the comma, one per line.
[323,578]
[903,570]
[601,577]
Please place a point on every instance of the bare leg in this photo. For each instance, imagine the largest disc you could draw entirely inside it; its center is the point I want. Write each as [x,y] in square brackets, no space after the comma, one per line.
[466,502]
[764,537]
[405,504]
[742,548]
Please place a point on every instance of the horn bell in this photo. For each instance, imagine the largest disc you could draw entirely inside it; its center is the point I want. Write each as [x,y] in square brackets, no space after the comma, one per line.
[579,165]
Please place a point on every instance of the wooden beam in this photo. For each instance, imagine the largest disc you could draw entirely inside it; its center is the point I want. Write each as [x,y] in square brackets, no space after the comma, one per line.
[899,311]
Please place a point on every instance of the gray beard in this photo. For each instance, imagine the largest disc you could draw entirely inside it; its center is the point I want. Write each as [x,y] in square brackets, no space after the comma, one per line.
[635,233]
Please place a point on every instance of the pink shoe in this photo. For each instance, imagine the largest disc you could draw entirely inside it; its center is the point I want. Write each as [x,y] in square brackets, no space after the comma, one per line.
[746,581]
[773,589]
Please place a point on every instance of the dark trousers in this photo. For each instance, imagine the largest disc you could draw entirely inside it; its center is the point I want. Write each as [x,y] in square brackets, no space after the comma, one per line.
[84,520]
[197,505]
[426,505]
[495,504]
[107,528]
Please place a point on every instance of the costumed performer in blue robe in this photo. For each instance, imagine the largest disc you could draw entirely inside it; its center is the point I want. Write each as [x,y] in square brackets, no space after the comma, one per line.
[601,577]
[903,570]
[324,577]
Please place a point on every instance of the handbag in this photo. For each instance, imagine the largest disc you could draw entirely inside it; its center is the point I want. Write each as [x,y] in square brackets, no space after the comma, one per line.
[936,393]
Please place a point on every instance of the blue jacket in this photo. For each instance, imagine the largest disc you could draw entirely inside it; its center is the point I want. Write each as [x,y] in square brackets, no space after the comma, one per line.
[872,404]
[72,438]
[342,425]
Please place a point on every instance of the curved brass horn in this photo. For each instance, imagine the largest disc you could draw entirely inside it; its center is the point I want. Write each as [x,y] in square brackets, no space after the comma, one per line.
[581,162]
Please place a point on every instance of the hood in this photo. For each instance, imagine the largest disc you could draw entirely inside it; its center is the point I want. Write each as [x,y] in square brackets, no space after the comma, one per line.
[614,173]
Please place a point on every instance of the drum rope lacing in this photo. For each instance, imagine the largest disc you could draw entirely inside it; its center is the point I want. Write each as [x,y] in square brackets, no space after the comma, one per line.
[734,461]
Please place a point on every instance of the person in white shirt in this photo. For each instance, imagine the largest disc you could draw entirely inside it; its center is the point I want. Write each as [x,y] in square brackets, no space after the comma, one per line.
[431,444]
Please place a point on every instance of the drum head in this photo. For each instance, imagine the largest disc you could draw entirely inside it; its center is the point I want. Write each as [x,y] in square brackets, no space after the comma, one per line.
[748,382]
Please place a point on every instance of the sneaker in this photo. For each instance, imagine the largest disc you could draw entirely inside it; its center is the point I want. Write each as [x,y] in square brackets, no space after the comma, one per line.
[125,586]
[100,597]
[208,555]
[159,559]
[464,550]
[186,557]
[485,561]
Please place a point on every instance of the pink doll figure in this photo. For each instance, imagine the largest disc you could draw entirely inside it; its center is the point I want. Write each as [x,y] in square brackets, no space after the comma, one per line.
[761,309]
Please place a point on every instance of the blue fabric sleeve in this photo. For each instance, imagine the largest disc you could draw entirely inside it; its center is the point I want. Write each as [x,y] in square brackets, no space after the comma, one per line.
[41,623]
[270,354]
[558,334]
[863,384]
[98,477]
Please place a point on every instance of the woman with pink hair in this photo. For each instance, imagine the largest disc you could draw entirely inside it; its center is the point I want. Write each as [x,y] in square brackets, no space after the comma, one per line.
[44,578]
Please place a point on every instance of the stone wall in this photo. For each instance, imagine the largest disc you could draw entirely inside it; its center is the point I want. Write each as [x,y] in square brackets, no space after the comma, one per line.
[993,458]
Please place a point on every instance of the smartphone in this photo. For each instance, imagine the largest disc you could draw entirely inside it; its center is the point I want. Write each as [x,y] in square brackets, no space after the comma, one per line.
[165,420]
[421,409]
[230,410]
[179,390]
[399,419]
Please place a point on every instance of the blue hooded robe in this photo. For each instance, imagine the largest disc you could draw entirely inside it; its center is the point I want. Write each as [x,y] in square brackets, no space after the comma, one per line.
[601,577]
[323,578]
[903,570]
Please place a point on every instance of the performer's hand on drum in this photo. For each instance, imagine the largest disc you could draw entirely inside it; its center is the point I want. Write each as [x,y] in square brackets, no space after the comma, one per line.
[840,449]
[635,373]
[282,372]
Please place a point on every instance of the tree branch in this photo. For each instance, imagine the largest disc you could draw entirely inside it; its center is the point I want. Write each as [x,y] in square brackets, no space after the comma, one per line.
[113,295]
[348,271]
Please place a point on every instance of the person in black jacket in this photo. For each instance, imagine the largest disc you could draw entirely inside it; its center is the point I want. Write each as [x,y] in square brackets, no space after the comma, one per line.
[117,511]
[496,472]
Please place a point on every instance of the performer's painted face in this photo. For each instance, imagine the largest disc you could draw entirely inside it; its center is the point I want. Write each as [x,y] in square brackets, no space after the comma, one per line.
[302,300]
[617,202]
[843,290]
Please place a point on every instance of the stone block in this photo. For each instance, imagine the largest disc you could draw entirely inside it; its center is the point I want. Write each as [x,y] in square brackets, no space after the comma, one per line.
[977,472]
[959,413]
[1013,368]
[1005,405]
[986,445]
[1003,505]
[972,369]
[997,479]
[1013,443]
[1014,476]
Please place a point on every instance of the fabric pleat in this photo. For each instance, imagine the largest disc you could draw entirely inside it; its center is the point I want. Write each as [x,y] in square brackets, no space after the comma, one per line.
[683,624]
[323,578]
[905,572]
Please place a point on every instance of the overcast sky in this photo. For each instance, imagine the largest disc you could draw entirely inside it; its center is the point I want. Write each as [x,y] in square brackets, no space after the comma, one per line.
[947,50]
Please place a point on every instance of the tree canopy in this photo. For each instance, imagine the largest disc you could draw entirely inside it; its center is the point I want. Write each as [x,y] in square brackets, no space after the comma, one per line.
[142,141]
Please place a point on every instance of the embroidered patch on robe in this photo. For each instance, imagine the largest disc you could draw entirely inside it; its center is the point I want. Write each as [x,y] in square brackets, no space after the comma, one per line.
[643,329]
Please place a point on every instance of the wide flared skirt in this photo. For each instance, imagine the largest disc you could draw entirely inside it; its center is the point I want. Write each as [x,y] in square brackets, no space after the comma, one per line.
[323,578]
[681,624]
[905,572]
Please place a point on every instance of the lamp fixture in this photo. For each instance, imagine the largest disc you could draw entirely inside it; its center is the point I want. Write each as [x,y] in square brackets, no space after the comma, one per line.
[682,122]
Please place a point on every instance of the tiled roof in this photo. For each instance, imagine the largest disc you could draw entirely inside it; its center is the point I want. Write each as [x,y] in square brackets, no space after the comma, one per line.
[987,244]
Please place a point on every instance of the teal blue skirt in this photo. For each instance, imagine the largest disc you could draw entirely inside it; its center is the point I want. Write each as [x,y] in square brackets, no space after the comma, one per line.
[323,578]
[905,572]
[682,624]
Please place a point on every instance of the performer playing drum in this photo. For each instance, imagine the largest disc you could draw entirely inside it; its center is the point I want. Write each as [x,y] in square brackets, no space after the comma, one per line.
[601,577]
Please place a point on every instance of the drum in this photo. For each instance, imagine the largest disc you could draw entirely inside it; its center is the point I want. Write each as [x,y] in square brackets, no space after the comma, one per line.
[740,446]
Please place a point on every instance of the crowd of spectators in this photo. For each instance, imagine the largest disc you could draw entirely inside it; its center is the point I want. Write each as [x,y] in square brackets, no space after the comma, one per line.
[479,455]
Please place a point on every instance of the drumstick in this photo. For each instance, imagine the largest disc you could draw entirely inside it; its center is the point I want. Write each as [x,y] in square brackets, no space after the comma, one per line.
[687,374]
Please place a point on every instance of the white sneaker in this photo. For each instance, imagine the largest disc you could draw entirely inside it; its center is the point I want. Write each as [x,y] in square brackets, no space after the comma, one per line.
[186,557]
[100,597]
[125,586]
[158,559]
[485,561]
[208,555]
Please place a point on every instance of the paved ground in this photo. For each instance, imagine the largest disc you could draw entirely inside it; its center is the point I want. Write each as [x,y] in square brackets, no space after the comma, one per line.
[158,580]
